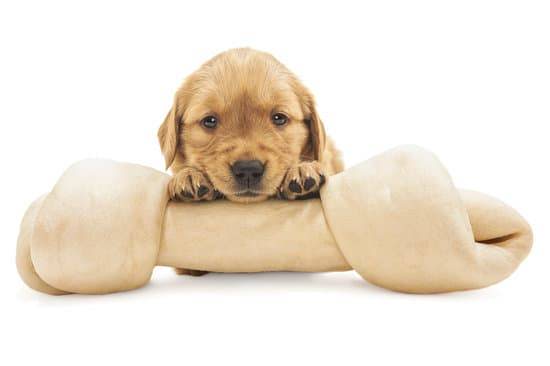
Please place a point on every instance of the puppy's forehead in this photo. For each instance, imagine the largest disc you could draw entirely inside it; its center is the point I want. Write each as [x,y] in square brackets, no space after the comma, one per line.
[257,82]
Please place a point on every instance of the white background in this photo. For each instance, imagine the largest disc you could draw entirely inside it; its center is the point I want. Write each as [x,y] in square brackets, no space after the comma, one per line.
[469,80]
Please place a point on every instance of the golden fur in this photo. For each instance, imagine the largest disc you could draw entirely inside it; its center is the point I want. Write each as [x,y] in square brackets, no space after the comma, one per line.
[243,89]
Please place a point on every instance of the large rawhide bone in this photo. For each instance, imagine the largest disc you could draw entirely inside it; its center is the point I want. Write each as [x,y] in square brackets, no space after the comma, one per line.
[396,219]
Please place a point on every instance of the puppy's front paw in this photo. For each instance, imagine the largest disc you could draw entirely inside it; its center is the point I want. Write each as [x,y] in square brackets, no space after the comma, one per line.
[302,180]
[190,184]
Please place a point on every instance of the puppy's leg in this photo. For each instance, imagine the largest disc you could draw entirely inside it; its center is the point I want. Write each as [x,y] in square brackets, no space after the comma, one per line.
[190,184]
[302,180]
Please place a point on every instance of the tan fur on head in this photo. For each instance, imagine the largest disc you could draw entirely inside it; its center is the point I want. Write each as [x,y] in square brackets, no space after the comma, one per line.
[243,89]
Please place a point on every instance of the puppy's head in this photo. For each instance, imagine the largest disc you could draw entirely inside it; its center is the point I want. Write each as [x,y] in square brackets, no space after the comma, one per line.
[243,119]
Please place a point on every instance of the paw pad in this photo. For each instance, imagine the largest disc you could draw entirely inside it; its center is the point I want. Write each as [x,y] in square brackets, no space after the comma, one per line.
[309,183]
[294,187]
[187,194]
[202,191]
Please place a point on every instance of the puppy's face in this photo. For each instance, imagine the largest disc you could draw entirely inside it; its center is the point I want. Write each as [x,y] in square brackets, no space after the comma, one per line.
[243,119]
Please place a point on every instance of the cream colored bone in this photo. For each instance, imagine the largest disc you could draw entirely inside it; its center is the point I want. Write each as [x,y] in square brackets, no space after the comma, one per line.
[396,219]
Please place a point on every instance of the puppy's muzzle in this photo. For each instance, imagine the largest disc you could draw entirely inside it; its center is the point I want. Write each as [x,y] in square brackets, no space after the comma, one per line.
[248,173]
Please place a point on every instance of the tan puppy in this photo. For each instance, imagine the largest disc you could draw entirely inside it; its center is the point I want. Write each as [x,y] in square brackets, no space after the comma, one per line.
[244,127]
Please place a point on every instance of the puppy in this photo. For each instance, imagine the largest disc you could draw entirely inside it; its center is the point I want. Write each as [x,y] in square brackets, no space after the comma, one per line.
[244,127]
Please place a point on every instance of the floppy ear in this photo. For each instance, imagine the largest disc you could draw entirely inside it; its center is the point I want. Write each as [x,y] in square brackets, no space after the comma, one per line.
[168,135]
[317,136]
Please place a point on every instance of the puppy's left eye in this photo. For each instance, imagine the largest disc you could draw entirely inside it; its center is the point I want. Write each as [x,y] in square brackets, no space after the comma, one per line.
[209,122]
[279,119]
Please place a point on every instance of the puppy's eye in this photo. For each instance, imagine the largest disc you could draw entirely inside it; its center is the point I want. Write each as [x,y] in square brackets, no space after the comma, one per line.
[279,119]
[209,122]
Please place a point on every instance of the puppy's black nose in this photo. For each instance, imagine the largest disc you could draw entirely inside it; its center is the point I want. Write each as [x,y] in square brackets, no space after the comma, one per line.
[248,172]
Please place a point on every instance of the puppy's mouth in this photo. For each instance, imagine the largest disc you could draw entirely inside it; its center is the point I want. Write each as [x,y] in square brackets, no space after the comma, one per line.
[251,189]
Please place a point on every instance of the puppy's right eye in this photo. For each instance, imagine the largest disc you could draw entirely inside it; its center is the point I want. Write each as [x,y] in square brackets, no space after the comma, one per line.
[279,119]
[209,122]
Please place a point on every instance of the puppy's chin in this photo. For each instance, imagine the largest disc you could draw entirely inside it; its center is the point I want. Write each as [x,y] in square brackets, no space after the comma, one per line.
[248,198]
